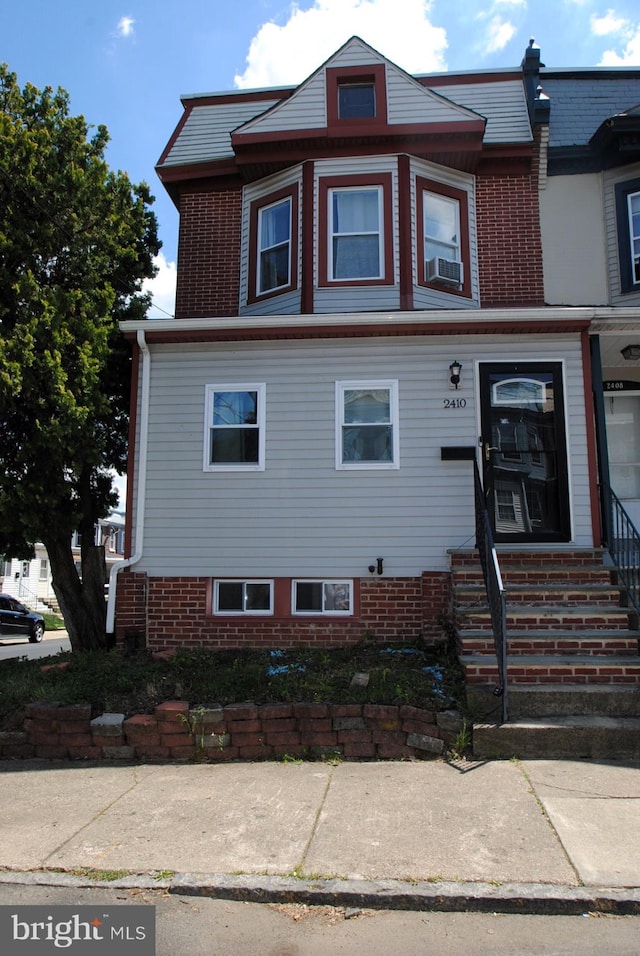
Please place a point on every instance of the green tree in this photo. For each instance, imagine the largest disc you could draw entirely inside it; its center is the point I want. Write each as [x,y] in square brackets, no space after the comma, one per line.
[76,242]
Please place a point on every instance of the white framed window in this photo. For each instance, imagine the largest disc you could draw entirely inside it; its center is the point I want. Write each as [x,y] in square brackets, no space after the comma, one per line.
[44,569]
[633,208]
[243,597]
[234,428]
[355,234]
[311,596]
[274,246]
[441,227]
[367,425]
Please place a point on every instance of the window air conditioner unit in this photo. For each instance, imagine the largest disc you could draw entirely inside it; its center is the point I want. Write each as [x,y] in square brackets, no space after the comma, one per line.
[444,270]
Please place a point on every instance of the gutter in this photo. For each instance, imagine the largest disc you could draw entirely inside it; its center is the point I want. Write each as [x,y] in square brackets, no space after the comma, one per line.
[142,482]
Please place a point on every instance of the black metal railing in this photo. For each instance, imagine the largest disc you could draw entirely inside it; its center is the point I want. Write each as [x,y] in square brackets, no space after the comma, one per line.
[493,586]
[624,545]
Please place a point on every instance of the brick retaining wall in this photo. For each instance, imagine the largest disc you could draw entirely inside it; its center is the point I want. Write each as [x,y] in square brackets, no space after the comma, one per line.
[178,732]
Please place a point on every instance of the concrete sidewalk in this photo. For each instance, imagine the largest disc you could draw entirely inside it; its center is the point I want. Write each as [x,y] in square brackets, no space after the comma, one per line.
[529,836]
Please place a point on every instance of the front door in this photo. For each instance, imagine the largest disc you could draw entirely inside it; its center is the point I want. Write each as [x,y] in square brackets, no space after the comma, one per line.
[524,451]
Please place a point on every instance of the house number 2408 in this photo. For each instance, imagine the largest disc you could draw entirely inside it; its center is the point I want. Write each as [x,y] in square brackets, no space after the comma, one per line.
[454,402]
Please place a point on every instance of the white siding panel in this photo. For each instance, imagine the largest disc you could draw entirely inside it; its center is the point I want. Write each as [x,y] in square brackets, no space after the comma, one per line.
[305,110]
[206,134]
[409,102]
[301,516]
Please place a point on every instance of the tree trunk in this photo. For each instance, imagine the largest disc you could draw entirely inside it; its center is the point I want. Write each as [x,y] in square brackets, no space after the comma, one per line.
[82,602]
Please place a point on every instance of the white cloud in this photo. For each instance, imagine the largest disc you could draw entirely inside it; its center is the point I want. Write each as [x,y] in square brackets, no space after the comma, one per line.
[607,24]
[400,29]
[125,26]
[163,289]
[630,55]
[499,33]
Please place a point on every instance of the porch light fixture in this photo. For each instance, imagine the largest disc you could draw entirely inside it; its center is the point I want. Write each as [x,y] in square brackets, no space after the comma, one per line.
[631,352]
[455,369]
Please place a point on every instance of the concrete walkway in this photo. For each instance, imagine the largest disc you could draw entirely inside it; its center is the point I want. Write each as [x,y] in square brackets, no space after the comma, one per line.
[529,836]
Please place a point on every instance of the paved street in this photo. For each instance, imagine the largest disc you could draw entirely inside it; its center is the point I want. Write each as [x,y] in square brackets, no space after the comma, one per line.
[52,643]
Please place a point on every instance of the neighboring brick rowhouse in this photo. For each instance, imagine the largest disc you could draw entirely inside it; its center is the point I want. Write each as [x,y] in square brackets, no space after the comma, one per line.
[245,731]
[178,615]
[209,253]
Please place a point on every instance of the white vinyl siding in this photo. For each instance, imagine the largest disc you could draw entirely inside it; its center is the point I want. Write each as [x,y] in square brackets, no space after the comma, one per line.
[301,517]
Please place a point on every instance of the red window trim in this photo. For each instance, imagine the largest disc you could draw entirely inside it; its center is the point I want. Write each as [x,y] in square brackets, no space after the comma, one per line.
[287,192]
[441,189]
[337,76]
[340,182]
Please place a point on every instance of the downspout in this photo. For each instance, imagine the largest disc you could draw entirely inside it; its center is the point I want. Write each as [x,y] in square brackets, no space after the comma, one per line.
[143,437]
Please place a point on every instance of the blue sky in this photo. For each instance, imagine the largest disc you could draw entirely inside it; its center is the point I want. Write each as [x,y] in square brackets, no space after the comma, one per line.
[125,63]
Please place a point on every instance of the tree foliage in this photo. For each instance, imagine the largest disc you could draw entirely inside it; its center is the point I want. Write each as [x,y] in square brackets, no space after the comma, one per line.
[76,242]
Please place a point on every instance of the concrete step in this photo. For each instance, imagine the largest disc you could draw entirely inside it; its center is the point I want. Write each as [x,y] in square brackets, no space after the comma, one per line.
[543,575]
[554,669]
[530,558]
[557,592]
[558,700]
[610,738]
[597,642]
[541,617]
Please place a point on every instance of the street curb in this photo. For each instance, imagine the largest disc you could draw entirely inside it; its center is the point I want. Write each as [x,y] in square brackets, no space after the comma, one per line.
[512,898]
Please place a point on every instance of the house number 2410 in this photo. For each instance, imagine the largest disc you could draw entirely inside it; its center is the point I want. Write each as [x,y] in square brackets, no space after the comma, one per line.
[454,402]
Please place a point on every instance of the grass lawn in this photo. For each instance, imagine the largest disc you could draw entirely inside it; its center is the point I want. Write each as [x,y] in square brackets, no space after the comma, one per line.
[134,684]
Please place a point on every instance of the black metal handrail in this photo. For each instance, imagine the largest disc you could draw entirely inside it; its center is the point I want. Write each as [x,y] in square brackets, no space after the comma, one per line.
[624,545]
[493,586]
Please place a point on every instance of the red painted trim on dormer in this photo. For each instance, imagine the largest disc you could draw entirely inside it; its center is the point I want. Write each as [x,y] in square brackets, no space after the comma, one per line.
[458,129]
[466,79]
[334,77]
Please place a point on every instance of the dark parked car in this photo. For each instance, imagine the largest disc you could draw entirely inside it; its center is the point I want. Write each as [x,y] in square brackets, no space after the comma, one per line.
[17,620]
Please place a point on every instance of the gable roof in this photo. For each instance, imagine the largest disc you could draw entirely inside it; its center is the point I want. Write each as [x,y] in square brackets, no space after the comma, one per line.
[449,120]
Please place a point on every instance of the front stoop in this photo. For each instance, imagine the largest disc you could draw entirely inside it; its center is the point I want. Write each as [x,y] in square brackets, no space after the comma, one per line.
[573,663]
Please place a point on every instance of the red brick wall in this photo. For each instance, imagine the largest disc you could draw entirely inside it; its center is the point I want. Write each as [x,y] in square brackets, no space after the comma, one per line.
[509,243]
[398,609]
[209,253]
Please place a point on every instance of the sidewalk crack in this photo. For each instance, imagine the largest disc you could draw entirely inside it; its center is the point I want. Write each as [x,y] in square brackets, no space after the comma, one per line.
[299,869]
[100,813]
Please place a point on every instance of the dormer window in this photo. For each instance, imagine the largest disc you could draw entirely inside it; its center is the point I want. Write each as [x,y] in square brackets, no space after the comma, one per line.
[356,100]
[356,97]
